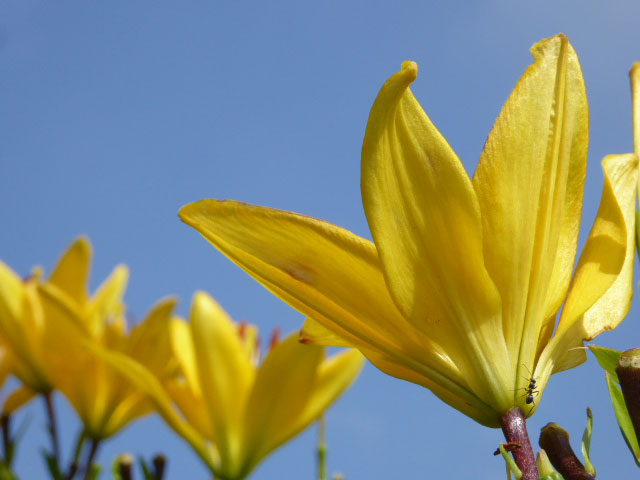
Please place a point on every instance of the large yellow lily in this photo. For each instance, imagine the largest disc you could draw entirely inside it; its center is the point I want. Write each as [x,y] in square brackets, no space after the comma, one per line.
[461,289]
[238,410]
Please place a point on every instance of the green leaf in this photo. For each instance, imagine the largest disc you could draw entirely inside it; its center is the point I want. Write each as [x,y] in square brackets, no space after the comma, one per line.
[115,469]
[5,472]
[624,420]
[146,471]
[586,443]
[95,471]
[52,464]
[607,358]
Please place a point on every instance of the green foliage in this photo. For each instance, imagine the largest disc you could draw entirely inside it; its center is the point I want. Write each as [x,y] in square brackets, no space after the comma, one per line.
[586,443]
[607,358]
[622,415]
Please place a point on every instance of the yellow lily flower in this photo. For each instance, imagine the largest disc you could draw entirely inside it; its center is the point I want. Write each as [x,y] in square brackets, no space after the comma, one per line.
[22,328]
[47,325]
[238,410]
[104,400]
[460,291]
[21,395]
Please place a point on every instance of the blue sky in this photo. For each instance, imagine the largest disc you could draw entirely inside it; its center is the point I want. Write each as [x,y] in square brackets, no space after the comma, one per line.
[115,114]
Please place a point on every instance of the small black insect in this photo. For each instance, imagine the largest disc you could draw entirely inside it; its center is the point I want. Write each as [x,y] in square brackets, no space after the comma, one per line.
[531,391]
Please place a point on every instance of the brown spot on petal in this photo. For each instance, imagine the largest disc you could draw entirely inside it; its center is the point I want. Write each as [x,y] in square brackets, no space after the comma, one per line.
[300,272]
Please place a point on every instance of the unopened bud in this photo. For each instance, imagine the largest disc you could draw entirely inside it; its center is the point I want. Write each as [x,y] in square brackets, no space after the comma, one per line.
[555,441]
[159,463]
[124,464]
[628,371]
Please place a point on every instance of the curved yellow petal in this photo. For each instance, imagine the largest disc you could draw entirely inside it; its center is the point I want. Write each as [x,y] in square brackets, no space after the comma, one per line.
[21,321]
[17,399]
[425,220]
[283,386]
[334,375]
[602,287]
[71,274]
[530,182]
[107,302]
[182,347]
[192,406]
[318,268]
[225,372]
[150,341]
[148,383]
[314,333]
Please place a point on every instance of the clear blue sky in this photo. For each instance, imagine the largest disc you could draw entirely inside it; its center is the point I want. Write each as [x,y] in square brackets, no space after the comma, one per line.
[114,114]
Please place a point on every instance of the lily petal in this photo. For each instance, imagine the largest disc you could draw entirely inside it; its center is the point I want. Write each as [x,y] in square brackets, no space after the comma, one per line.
[150,341]
[107,301]
[322,270]
[225,372]
[282,388]
[334,376]
[182,343]
[71,274]
[146,381]
[530,182]
[20,320]
[601,291]
[425,221]
[314,333]
[17,399]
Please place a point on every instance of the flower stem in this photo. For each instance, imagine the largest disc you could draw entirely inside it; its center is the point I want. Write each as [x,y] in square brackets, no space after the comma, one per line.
[322,448]
[53,429]
[6,438]
[75,461]
[514,427]
[95,443]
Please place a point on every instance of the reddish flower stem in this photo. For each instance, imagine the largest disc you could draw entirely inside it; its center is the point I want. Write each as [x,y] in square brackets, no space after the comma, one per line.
[514,427]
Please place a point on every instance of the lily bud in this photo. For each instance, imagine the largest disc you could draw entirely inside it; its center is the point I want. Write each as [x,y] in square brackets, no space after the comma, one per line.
[124,463]
[555,441]
[159,464]
[628,371]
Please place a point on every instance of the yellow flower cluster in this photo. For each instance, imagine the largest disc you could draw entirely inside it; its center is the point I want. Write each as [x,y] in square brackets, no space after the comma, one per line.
[204,376]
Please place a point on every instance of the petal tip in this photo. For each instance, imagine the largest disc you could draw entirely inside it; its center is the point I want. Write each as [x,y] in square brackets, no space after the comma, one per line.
[410,68]
[539,48]
[82,243]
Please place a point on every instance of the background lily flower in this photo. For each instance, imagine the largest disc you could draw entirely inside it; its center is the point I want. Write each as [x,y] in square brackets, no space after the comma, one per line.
[47,325]
[22,394]
[238,410]
[104,400]
[461,289]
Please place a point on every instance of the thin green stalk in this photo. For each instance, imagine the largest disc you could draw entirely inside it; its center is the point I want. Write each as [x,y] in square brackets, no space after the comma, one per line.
[322,448]
[95,443]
